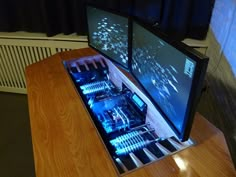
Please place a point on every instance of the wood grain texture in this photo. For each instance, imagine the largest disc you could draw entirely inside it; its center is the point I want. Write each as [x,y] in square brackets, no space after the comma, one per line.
[66,143]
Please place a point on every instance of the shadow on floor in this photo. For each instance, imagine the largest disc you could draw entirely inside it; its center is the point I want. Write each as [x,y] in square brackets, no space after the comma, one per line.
[16,153]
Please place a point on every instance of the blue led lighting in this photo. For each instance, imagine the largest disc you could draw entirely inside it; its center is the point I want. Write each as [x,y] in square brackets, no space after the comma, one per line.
[137,100]
[132,141]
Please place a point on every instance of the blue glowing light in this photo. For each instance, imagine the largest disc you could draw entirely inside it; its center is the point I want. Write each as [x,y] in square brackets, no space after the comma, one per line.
[137,100]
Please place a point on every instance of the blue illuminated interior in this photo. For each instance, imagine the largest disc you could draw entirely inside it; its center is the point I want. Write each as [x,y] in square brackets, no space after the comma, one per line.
[108,33]
[118,113]
[138,101]
[164,72]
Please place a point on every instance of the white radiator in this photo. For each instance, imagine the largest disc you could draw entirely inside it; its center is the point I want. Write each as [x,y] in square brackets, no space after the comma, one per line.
[20,49]
[18,52]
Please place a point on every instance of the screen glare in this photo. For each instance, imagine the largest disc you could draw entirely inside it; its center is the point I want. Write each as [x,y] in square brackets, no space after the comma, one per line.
[164,72]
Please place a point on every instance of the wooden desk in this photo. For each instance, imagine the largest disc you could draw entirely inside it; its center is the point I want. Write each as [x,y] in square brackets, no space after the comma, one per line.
[66,143]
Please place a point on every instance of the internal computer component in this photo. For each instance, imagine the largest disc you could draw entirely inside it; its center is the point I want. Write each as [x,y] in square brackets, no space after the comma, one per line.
[119,115]
[140,146]
[133,141]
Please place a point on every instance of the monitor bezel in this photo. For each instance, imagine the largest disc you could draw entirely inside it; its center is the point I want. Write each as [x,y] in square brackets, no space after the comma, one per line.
[112,11]
[197,81]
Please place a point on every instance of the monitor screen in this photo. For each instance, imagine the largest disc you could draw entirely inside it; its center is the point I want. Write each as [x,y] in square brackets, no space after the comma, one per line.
[108,34]
[165,73]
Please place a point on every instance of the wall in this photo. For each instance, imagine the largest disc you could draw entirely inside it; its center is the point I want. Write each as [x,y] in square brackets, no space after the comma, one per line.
[223,26]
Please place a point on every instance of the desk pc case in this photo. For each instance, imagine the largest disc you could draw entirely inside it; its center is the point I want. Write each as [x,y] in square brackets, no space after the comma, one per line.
[142,122]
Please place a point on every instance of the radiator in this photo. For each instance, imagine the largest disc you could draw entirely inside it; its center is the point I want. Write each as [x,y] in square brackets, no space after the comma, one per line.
[20,49]
[17,53]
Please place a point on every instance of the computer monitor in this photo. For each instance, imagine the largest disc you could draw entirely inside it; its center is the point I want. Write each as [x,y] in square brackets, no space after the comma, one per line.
[108,34]
[170,73]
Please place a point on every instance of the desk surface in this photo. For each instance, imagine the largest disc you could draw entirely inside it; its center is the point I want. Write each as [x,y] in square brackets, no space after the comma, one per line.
[66,143]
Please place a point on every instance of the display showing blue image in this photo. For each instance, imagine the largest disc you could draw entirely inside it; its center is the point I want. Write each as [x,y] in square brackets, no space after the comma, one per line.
[164,72]
[108,33]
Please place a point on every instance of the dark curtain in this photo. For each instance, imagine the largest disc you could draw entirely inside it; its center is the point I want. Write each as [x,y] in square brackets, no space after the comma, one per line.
[47,16]
[178,18]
